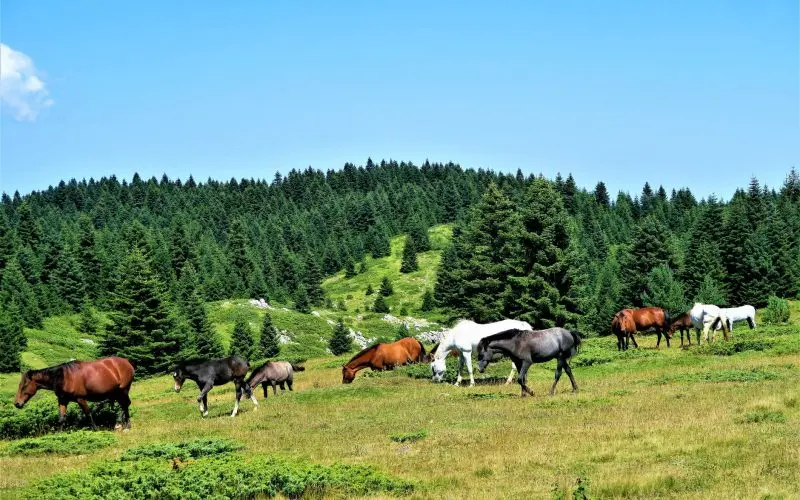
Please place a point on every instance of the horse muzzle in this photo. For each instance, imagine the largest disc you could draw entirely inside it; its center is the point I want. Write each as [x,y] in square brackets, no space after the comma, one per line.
[19,405]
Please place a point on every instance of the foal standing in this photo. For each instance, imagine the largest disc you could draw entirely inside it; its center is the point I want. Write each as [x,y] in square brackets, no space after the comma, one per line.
[213,372]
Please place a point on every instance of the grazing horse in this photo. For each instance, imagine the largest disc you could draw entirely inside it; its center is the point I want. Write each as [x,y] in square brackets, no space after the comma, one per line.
[464,337]
[273,373]
[707,317]
[629,321]
[743,313]
[208,373]
[81,381]
[684,324]
[526,347]
[384,357]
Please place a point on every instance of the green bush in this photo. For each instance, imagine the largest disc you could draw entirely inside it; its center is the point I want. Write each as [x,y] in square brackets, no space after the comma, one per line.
[777,311]
[183,451]
[72,443]
[409,436]
[225,476]
[736,346]
[40,416]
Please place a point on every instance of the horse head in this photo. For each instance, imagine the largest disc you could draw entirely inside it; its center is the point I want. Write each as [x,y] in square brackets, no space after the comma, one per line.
[180,377]
[348,374]
[485,356]
[27,389]
[438,367]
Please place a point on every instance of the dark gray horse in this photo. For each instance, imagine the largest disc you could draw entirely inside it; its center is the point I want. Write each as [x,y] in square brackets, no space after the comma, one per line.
[273,373]
[526,347]
[211,372]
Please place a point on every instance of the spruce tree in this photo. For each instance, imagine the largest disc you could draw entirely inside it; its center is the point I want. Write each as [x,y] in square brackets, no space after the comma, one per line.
[418,232]
[87,322]
[409,263]
[238,259]
[651,247]
[14,288]
[448,290]
[537,297]
[369,290]
[378,243]
[782,280]
[386,287]
[380,305]
[402,331]
[242,342]
[710,292]
[268,342]
[601,195]
[662,289]
[428,302]
[88,259]
[340,342]
[607,297]
[8,242]
[737,229]
[12,338]
[68,279]
[313,281]
[349,269]
[301,301]
[141,328]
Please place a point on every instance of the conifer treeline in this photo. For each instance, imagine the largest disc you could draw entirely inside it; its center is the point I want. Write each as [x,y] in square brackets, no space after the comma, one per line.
[545,251]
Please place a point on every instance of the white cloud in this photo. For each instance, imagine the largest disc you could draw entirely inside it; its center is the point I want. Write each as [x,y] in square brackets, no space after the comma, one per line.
[22,92]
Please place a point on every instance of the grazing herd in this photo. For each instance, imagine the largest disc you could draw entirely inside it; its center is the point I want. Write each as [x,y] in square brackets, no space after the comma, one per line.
[110,378]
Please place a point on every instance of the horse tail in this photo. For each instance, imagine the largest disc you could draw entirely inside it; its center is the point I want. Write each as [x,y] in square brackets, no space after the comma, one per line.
[667,319]
[576,338]
[422,354]
[298,368]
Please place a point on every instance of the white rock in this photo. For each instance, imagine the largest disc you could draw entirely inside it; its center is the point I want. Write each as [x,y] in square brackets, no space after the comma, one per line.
[88,341]
[315,313]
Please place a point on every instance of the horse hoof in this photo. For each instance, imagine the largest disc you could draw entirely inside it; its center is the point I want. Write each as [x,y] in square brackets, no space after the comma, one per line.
[118,427]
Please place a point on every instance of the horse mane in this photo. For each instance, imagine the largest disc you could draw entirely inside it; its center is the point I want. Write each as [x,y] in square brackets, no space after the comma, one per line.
[363,351]
[506,334]
[52,374]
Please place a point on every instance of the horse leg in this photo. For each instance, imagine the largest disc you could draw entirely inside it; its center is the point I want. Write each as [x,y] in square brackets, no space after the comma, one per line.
[86,411]
[289,382]
[569,374]
[559,367]
[249,391]
[283,386]
[633,338]
[274,388]
[62,412]
[458,369]
[667,337]
[511,375]
[658,342]
[238,397]
[523,378]
[202,399]
[125,403]
[266,389]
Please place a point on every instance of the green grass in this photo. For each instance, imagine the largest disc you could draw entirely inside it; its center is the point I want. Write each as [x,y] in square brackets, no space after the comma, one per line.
[71,443]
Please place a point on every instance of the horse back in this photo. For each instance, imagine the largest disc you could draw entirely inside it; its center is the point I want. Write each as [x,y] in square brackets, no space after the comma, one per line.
[647,317]
[85,379]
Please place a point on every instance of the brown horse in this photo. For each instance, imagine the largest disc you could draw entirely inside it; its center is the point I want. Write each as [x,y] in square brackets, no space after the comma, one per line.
[384,357]
[684,324]
[81,381]
[629,321]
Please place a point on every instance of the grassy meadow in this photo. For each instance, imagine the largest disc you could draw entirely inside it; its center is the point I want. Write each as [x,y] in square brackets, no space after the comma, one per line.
[710,421]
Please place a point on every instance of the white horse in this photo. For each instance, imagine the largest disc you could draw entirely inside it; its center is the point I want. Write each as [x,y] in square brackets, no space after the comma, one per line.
[743,313]
[464,337]
[705,317]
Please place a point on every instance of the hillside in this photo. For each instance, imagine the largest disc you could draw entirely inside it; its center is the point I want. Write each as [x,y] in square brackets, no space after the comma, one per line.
[59,341]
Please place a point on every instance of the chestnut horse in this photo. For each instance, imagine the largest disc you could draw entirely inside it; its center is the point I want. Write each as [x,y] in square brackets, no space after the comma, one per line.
[629,321]
[684,324]
[81,381]
[384,357]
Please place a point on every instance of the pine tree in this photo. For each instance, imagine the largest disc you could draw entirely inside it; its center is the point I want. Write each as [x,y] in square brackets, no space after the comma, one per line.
[448,290]
[68,279]
[240,264]
[87,255]
[428,302]
[313,282]
[662,289]
[340,342]
[12,338]
[402,331]
[301,301]
[8,242]
[409,263]
[268,342]
[380,305]
[349,269]
[242,343]
[607,297]
[369,290]
[737,229]
[651,247]
[418,233]
[537,298]
[782,280]
[386,287]
[601,195]
[710,292]
[141,328]
[87,322]
[14,288]
[378,243]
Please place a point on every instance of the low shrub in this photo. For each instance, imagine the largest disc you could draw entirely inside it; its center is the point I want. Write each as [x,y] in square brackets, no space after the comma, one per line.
[223,476]
[183,450]
[40,416]
[71,443]
[763,415]
[409,436]
[735,346]
[777,311]
[751,375]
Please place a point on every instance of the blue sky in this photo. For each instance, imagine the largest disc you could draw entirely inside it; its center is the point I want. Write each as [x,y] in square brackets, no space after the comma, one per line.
[684,93]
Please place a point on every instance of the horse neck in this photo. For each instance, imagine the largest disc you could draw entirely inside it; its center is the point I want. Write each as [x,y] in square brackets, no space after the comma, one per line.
[444,347]
[360,362]
[43,380]
[505,345]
